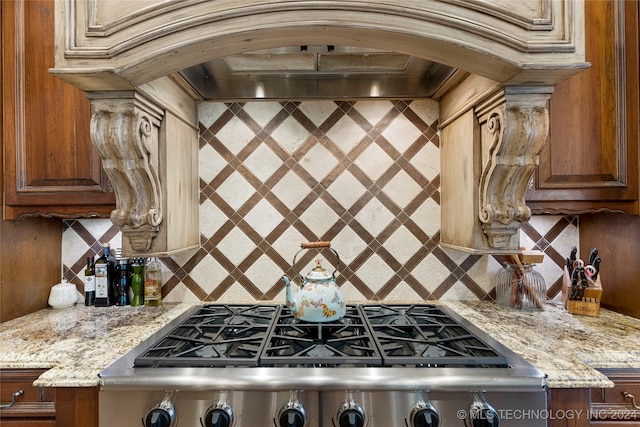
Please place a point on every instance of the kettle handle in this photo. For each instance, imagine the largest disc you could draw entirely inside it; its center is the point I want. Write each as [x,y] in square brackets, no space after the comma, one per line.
[316,245]
[312,245]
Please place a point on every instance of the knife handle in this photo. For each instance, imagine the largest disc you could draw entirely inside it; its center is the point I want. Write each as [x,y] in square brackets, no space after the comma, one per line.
[596,265]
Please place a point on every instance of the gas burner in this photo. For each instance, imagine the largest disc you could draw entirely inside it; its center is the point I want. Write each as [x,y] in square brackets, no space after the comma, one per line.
[430,351]
[238,320]
[424,335]
[215,335]
[212,350]
[320,351]
[343,342]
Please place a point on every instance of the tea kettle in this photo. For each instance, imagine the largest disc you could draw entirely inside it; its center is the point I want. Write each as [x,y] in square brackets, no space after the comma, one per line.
[318,298]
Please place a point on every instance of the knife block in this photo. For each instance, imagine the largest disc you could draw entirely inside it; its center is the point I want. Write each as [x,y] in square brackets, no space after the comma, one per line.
[589,305]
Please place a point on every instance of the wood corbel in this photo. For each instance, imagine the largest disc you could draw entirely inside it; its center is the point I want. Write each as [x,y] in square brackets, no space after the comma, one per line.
[125,130]
[514,130]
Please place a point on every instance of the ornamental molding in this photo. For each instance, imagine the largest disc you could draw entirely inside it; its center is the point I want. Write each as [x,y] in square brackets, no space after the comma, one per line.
[514,127]
[120,44]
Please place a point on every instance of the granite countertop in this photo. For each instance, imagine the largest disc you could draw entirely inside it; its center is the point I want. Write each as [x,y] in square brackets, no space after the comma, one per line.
[568,348]
[76,343]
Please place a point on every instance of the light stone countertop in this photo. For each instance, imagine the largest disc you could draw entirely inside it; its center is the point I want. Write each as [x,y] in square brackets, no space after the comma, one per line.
[78,342]
[568,348]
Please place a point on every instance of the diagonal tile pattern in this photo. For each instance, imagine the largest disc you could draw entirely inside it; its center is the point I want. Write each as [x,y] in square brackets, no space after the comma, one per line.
[361,174]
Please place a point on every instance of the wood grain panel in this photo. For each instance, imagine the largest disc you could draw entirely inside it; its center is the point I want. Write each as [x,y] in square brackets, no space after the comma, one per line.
[460,162]
[30,264]
[50,161]
[616,237]
[77,406]
[570,407]
[590,161]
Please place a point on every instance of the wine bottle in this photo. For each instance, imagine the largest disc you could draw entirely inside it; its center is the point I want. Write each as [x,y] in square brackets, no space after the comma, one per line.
[90,282]
[152,284]
[104,277]
[122,284]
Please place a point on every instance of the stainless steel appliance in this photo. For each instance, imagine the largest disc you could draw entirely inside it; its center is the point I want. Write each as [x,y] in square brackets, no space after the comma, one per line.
[380,365]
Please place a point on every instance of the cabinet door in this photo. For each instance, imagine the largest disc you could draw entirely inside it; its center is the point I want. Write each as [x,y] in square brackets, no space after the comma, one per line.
[50,166]
[590,161]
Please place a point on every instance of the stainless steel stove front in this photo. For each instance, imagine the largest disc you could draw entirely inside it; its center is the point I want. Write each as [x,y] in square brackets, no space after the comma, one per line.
[323,409]
[324,397]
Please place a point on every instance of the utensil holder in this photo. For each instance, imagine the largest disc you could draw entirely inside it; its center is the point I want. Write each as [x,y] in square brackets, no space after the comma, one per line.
[520,287]
[589,305]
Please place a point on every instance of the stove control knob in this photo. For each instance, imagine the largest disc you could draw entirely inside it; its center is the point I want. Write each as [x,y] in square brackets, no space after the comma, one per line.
[292,415]
[424,415]
[481,414]
[159,418]
[218,415]
[351,415]
[163,414]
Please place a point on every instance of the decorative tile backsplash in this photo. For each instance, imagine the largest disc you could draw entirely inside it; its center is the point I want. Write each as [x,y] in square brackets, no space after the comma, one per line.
[361,174]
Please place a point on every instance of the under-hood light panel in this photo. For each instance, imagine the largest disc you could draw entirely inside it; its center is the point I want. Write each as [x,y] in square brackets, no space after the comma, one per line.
[317,72]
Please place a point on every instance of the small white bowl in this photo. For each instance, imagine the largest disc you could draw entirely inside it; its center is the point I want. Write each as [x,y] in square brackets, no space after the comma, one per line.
[63,295]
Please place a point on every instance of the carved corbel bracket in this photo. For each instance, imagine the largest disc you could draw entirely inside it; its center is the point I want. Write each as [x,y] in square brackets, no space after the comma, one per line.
[514,129]
[125,131]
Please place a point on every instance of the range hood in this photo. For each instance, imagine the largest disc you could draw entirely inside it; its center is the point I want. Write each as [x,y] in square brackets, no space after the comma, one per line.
[145,66]
[326,72]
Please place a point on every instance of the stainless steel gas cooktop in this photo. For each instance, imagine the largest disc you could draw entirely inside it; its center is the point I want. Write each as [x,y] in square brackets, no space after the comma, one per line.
[411,365]
[368,335]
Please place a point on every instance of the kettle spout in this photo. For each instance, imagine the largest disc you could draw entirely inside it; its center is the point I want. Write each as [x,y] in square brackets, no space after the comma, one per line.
[290,294]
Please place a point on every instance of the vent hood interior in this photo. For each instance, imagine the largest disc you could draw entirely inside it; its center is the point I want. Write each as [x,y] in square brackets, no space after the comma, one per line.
[303,72]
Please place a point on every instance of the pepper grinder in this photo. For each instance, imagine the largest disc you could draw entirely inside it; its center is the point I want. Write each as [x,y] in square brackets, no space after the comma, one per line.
[137,282]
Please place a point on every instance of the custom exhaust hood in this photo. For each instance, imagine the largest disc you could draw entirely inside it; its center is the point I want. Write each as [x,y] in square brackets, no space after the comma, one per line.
[325,72]
[146,64]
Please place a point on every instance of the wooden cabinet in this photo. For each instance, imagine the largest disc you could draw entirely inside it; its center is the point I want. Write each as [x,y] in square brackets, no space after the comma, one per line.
[590,160]
[615,236]
[614,407]
[24,244]
[77,406]
[35,406]
[50,166]
[605,407]
[568,407]
[42,406]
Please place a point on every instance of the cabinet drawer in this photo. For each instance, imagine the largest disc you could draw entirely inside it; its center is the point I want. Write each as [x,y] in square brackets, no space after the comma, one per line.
[615,405]
[31,423]
[35,406]
[612,423]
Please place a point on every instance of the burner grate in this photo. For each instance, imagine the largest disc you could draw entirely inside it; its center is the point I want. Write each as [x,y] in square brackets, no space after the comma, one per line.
[216,335]
[413,335]
[423,335]
[344,342]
